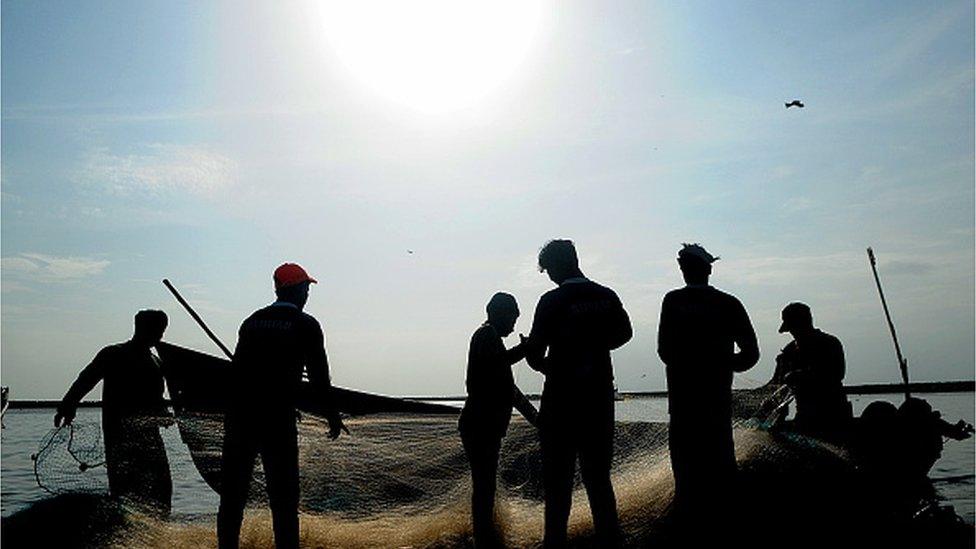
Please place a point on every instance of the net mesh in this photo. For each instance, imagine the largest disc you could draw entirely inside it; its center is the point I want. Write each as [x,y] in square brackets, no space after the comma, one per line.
[402,480]
[71,459]
[408,462]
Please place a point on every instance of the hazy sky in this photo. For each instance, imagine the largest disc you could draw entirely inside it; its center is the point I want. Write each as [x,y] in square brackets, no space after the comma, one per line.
[209,142]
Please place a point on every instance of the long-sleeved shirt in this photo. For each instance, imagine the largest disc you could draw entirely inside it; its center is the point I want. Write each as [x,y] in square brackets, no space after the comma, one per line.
[490,384]
[697,334]
[579,323]
[132,382]
[275,344]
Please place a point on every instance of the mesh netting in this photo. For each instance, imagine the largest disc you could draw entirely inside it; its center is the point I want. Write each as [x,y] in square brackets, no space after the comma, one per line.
[71,459]
[403,480]
[407,461]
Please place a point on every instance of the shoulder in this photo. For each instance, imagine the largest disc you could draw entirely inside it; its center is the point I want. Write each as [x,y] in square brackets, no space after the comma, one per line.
[256,315]
[308,319]
[605,290]
[549,298]
[829,339]
[728,299]
[483,334]
[113,350]
[309,323]
[674,294]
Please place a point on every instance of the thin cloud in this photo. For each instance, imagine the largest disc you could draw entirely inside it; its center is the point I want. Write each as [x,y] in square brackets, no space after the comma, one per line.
[161,168]
[45,267]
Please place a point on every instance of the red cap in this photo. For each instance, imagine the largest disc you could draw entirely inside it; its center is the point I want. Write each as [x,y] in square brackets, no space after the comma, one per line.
[289,274]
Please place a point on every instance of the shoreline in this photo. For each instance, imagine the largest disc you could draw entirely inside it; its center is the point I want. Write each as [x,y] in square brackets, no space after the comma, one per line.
[923,387]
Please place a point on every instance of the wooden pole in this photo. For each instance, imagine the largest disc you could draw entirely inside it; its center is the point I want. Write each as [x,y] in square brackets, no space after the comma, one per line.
[197,318]
[902,363]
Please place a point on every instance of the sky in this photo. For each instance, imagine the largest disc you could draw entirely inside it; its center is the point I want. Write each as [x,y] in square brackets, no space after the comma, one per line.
[209,142]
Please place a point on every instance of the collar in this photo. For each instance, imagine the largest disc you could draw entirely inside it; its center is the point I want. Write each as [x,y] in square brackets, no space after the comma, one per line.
[284,304]
[574,280]
[697,286]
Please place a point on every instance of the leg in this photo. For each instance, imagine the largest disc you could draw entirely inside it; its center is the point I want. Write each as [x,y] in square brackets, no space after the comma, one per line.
[558,466]
[138,470]
[596,457]
[483,457]
[154,472]
[279,453]
[237,465]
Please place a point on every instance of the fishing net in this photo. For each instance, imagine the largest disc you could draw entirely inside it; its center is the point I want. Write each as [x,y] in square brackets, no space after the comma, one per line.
[403,480]
[71,459]
[411,460]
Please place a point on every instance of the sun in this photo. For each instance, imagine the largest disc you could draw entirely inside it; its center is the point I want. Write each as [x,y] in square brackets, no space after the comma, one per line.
[432,55]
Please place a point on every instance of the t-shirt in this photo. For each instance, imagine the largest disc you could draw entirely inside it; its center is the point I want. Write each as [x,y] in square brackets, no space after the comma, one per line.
[579,323]
[274,346]
[697,334]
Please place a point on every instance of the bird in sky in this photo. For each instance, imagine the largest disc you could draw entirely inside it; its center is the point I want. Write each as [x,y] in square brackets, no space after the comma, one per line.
[795,103]
[410,252]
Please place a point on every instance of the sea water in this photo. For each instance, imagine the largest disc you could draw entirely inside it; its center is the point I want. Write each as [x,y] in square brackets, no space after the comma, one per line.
[195,503]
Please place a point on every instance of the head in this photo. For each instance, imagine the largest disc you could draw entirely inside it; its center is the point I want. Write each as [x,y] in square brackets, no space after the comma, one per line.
[502,313]
[695,263]
[150,325]
[292,283]
[797,319]
[558,259]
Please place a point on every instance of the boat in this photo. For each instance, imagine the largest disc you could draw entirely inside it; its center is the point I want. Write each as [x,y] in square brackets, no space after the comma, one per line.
[198,388]
[197,383]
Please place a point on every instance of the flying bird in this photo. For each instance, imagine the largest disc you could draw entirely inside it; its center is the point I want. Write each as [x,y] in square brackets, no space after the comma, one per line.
[410,252]
[794,103]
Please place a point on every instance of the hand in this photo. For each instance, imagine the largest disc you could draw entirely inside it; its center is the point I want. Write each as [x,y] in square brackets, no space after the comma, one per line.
[961,431]
[64,417]
[335,426]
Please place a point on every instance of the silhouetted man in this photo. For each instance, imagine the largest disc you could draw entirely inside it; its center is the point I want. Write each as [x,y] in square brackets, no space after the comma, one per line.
[273,346]
[813,366]
[578,323]
[699,329]
[488,409]
[133,409]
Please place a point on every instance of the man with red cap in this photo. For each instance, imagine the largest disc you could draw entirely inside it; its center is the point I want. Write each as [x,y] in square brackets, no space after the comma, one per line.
[274,346]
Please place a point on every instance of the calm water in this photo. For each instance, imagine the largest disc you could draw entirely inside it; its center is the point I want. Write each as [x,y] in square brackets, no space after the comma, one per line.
[193,498]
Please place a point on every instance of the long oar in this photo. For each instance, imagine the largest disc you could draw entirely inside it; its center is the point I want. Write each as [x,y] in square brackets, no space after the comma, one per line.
[902,363]
[197,318]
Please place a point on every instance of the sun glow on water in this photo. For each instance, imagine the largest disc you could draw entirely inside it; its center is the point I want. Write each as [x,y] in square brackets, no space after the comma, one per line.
[432,55]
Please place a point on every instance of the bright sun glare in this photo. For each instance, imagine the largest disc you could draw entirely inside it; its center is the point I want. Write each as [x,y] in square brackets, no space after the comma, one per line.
[432,55]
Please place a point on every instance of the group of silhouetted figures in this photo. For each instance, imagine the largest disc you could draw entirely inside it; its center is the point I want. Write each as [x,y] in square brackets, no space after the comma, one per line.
[705,336]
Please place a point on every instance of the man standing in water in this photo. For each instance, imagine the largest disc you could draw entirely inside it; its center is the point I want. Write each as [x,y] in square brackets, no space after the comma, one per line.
[274,345]
[699,329]
[488,409]
[133,409]
[813,366]
[578,323]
